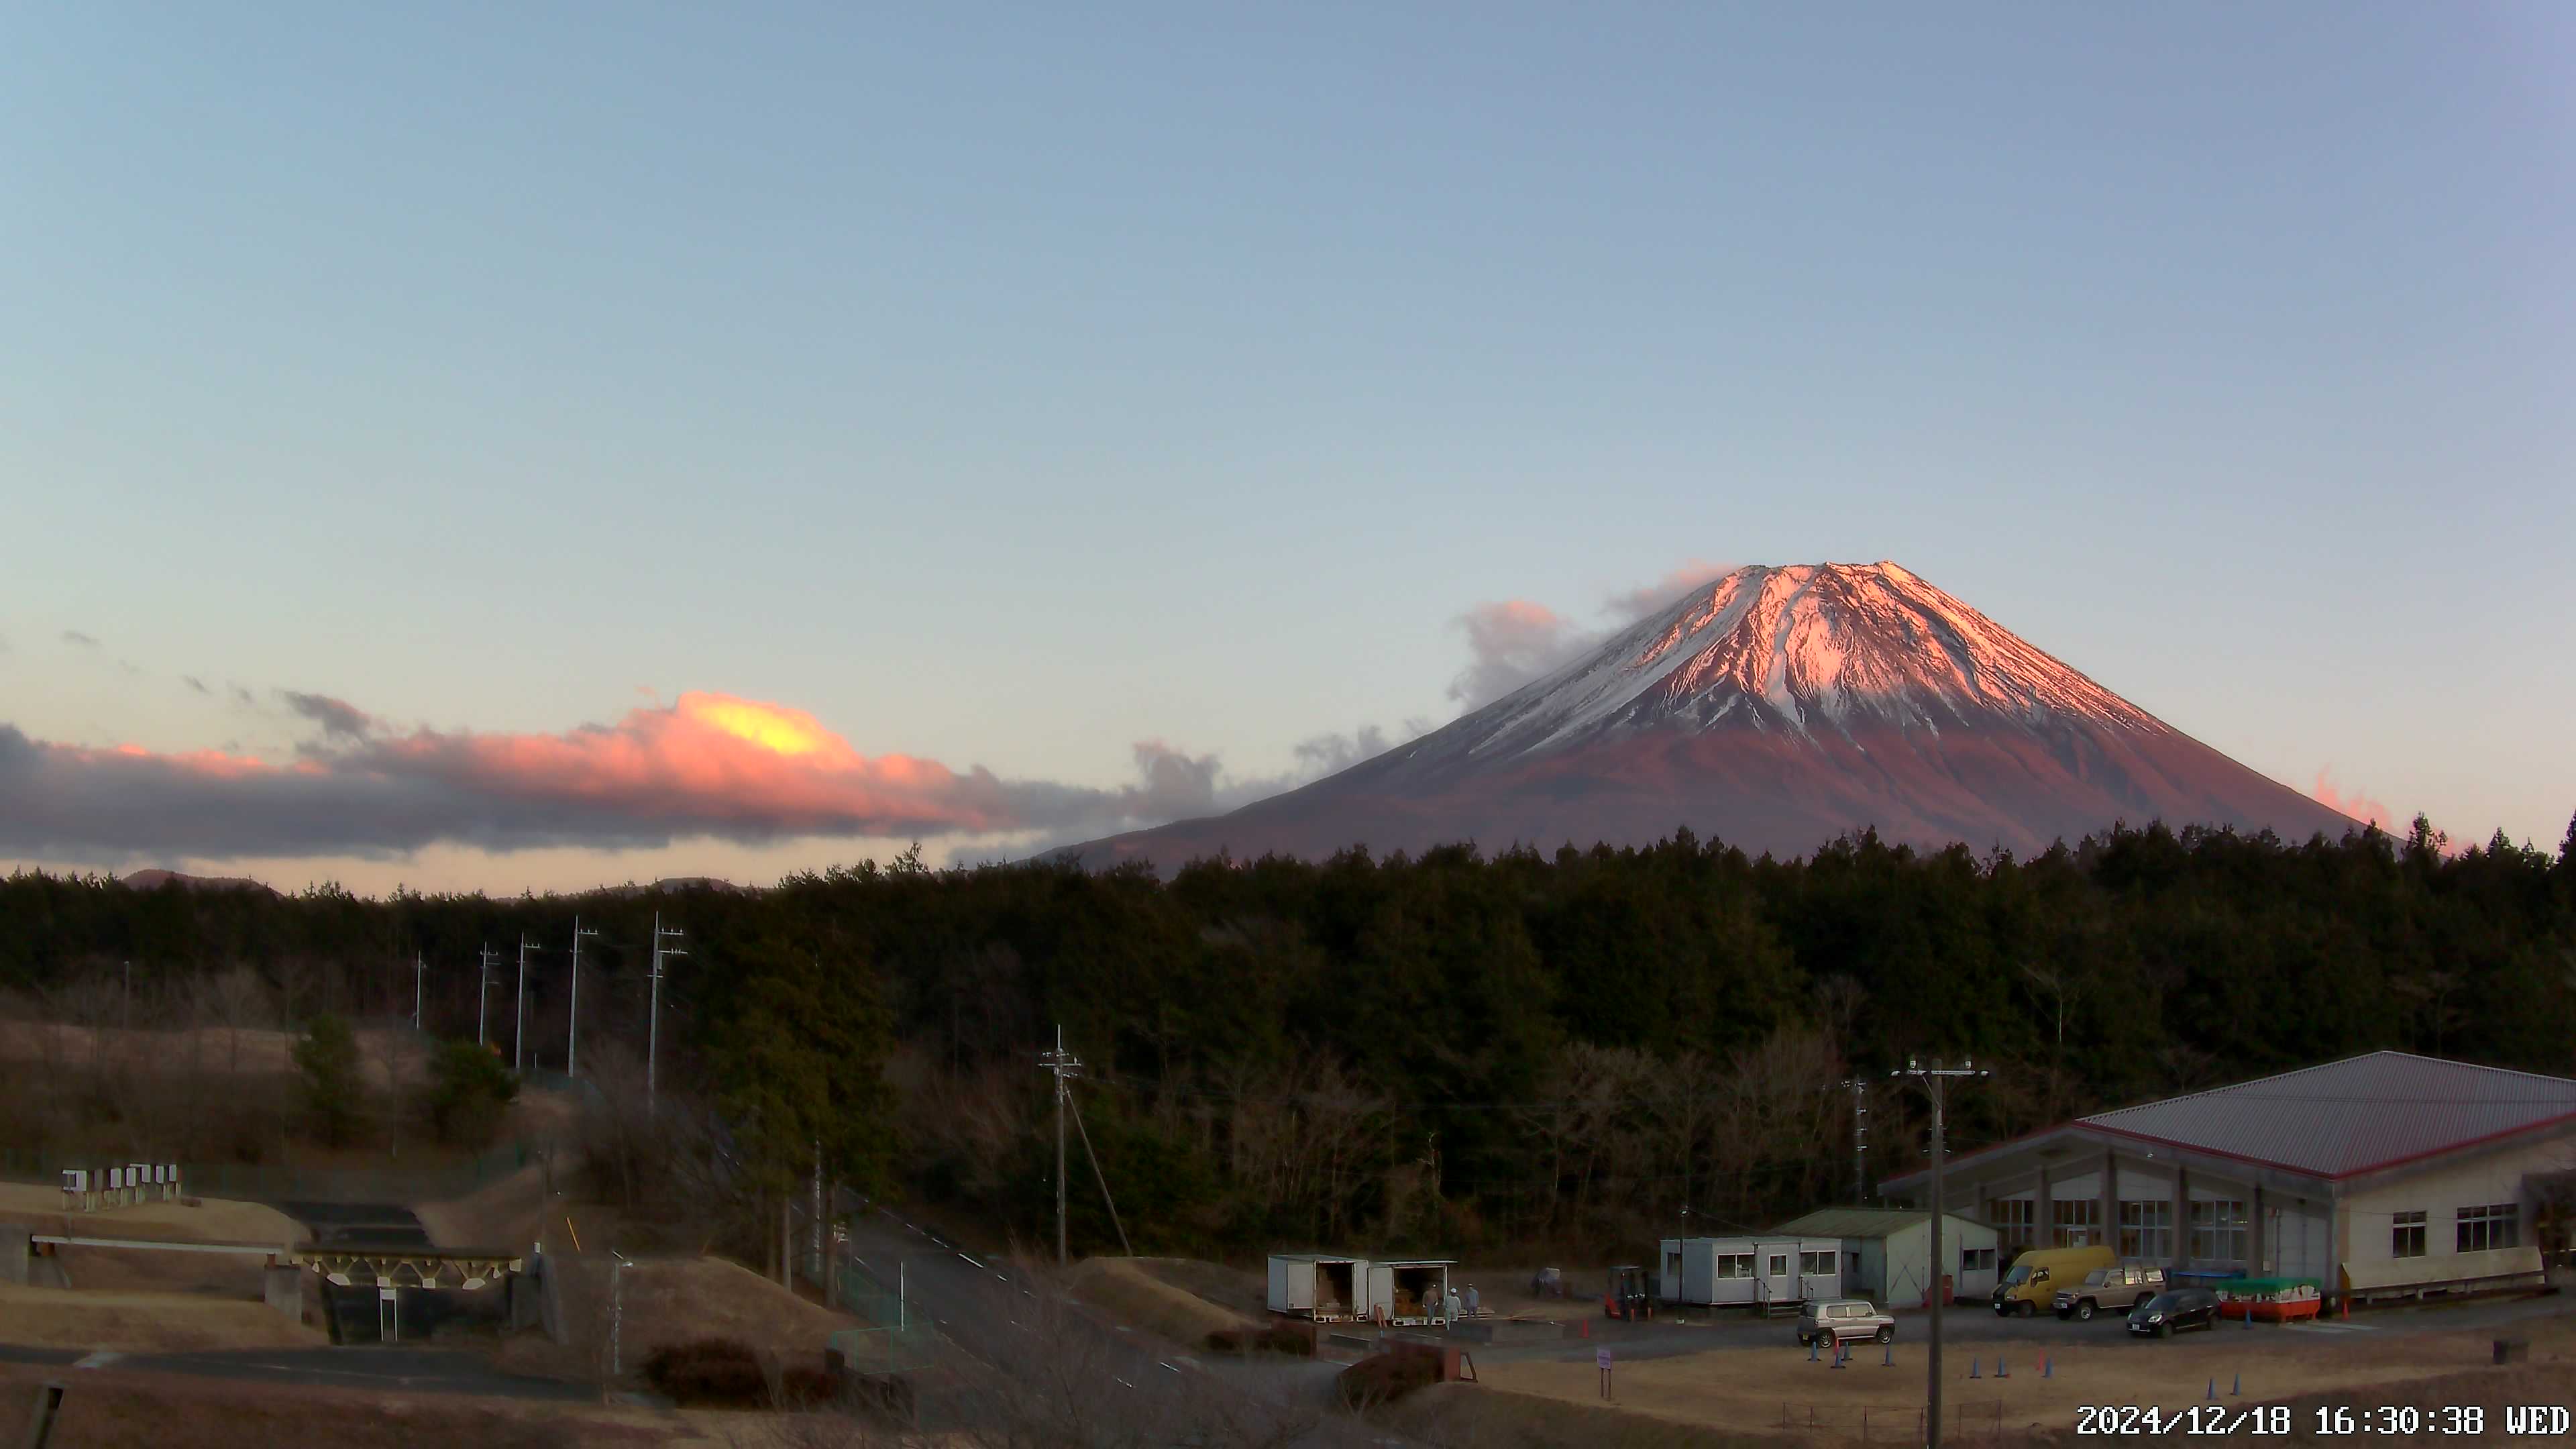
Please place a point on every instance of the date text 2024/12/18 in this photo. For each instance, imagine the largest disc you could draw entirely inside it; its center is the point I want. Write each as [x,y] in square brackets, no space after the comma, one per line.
[2331,1420]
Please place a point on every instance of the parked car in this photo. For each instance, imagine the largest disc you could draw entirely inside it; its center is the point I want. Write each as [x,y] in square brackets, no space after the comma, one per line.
[2173,1310]
[2033,1278]
[2120,1288]
[1840,1320]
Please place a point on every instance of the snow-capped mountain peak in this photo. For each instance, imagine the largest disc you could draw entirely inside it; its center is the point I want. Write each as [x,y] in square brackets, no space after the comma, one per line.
[1800,649]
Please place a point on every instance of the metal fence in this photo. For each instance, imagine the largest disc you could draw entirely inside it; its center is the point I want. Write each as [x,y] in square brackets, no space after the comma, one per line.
[896,1337]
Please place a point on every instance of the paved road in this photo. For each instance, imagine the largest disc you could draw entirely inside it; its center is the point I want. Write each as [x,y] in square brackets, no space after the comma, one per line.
[406,1370]
[974,1302]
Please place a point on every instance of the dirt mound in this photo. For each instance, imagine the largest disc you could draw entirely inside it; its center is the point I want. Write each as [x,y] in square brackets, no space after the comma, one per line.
[670,1301]
[1128,1290]
[146,1322]
[510,1213]
[1236,1290]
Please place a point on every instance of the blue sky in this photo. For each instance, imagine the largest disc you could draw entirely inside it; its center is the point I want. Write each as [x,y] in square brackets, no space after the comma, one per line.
[1008,385]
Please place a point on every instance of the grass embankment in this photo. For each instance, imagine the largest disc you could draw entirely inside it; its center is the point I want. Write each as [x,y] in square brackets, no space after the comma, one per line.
[113,1409]
[1129,1290]
[670,1301]
[145,1322]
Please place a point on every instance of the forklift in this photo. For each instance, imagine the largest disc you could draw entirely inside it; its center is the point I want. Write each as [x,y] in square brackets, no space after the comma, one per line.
[1631,1296]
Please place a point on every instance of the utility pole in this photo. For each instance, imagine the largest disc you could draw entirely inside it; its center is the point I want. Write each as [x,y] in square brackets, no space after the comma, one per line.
[653,1027]
[1859,1088]
[572,1034]
[483,992]
[519,1030]
[419,983]
[1066,1067]
[1935,1081]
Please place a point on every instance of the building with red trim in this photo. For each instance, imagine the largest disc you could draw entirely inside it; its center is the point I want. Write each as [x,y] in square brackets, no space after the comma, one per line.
[2385,1175]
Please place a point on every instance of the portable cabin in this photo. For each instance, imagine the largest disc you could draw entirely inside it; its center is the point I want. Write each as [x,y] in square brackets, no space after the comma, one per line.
[1749,1271]
[1887,1253]
[1322,1286]
[1409,1293]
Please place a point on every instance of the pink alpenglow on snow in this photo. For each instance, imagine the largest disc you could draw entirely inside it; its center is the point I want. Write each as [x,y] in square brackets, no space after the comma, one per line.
[1775,708]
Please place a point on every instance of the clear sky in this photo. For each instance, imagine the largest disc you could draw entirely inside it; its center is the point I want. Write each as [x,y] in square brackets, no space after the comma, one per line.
[1005,386]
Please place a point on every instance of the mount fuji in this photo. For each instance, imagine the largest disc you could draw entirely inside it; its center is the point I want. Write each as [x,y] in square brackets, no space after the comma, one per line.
[1775,709]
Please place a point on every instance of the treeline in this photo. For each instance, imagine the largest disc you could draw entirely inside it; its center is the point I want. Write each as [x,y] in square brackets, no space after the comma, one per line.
[1449,1050]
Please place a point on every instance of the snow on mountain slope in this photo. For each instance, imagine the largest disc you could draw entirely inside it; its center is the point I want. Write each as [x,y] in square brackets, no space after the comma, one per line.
[1776,708]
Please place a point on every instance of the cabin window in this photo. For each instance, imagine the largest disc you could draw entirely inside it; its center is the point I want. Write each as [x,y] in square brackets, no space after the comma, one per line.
[2406,1235]
[1735,1265]
[1976,1260]
[2496,1225]
[1816,1265]
[1779,1265]
[2146,1229]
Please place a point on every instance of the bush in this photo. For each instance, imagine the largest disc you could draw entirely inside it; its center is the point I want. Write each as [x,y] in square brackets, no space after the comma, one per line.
[469,1093]
[327,1059]
[1386,1377]
[722,1372]
[804,1386]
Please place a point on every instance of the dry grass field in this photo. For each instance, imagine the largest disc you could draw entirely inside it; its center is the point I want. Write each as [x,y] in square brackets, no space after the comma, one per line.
[1757,1390]
[248,1051]
[145,1322]
[111,1409]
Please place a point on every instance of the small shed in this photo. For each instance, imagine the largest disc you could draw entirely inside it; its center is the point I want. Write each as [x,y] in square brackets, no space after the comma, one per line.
[1753,1271]
[1886,1252]
[1325,1287]
[1410,1292]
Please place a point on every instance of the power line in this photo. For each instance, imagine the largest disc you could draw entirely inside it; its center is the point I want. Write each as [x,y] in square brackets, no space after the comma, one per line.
[653,1031]
[572,1032]
[519,1027]
[1935,1081]
[1065,1066]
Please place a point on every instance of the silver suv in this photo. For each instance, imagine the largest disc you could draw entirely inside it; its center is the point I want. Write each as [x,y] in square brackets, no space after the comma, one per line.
[1839,1320]
[2125,1289]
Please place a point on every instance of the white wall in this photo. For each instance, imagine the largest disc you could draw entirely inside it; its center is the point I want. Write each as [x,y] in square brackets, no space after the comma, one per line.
[2365,1216]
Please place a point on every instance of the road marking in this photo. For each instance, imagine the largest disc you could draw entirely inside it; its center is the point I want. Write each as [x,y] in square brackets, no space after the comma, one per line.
[100,1359]
[971,1263]
[1122,1383]
[1165,1365]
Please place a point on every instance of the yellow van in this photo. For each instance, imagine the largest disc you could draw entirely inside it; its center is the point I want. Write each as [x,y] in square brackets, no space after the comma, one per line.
[2037,1274]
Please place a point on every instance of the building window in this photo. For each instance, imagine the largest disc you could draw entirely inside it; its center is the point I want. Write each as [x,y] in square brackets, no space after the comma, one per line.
[1817,1265]
[2146,1230]
[1735,1265]
[1976,1260]
[2218,1232]
[2075,1224]
[2496,1225]
[2406,1235]
[2012,1217]
[1779,1265]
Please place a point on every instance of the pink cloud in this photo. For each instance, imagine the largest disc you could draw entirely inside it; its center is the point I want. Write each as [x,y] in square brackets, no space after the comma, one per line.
[2357,805]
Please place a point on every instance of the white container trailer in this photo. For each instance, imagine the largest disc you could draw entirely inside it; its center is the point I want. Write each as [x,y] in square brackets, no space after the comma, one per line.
[1749,1271]
[1322,1286]
[1411,1293]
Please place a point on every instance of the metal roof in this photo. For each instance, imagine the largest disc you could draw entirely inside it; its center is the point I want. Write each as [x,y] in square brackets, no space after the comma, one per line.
[2351,1116]
[1862,1222]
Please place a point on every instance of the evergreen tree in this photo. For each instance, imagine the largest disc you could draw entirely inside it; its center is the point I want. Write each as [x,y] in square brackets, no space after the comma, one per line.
[327,1060]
